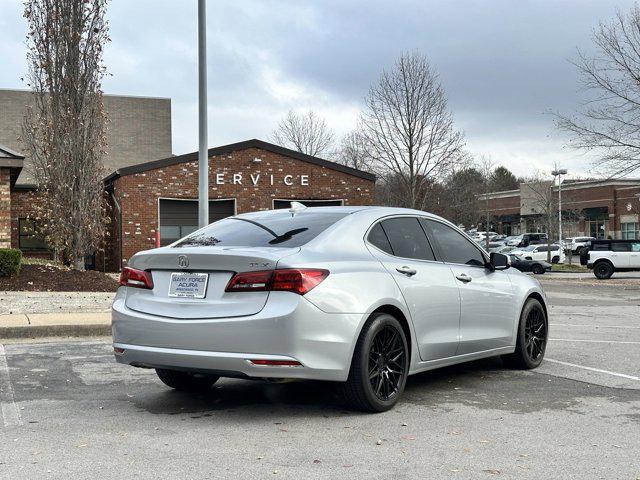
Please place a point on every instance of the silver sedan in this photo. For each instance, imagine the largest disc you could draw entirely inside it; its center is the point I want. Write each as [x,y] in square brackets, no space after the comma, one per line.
[364,296]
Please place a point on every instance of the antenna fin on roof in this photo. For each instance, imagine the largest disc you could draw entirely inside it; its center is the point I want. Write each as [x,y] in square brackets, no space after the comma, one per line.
[297,207]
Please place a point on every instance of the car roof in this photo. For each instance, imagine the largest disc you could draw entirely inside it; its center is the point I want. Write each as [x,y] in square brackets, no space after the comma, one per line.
[378,210]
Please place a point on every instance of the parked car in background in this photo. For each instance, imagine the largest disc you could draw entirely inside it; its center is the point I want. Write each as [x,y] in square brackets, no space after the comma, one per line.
[605,257]
[362,296]
[539,252]
[527,239]
[538,267]
[493,246]
[576,244]
[506,249]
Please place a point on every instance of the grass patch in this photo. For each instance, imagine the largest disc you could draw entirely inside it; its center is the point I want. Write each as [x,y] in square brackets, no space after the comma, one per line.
[565,267]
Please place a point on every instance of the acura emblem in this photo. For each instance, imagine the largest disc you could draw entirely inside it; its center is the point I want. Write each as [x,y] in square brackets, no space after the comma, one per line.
[183,261]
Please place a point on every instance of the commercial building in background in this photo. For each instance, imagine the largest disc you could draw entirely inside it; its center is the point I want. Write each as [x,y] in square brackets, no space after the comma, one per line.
[153,194]
[157,202]
[595,208]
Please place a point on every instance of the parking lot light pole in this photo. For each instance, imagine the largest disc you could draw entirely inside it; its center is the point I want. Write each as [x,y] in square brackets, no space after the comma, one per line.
[558,173]
[203,154]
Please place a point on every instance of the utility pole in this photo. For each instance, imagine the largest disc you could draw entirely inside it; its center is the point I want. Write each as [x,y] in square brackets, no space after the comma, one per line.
[558,173]
[203,154]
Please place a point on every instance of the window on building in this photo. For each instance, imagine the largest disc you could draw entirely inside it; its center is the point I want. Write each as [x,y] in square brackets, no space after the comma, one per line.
[630,231]
[179,218]
[28,237]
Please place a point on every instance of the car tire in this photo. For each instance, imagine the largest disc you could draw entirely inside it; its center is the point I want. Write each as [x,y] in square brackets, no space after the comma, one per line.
[603,270]
[381,350]
[186,381]
[537,269]
[531,342]
[555,259]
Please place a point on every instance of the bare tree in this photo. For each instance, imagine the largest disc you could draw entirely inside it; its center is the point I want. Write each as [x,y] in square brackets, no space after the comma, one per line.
[608,124]
[353,151]
[539,197]
[64,130]
[306,133]
[486,168]
[408,129]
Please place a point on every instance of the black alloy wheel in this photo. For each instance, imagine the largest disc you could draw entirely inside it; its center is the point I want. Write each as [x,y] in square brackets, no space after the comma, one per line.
[531,342]
[555,259]
[380,365]
[387,360]
[535,334]
[537,269]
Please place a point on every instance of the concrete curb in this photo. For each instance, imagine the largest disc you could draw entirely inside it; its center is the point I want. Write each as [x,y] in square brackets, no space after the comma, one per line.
[55,325]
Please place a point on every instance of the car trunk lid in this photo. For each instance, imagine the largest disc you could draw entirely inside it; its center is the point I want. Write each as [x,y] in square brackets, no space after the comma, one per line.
[219,264]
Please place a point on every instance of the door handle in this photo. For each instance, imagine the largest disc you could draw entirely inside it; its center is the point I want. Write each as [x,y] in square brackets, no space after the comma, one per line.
[407,271]
[463,277]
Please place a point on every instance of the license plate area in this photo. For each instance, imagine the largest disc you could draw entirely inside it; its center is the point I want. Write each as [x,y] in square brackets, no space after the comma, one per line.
[188,285]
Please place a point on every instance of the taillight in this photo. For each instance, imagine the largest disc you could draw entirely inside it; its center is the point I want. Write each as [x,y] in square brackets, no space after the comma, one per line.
[130,277]
[296,280]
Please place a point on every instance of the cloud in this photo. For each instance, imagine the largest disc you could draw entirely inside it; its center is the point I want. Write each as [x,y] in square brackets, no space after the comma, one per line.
[503,63]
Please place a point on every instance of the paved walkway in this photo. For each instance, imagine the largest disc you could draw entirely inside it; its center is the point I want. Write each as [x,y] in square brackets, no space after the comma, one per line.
[54,302]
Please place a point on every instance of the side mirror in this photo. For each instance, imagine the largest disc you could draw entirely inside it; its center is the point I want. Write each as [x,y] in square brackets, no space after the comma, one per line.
[499,261]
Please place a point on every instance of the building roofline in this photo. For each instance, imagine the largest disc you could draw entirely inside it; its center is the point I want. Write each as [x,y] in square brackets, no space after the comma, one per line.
[26,90]
[225,149]
[574,185]
[12,153]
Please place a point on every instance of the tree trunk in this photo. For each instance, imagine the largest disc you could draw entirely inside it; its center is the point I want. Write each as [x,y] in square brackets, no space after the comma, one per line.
[78,263]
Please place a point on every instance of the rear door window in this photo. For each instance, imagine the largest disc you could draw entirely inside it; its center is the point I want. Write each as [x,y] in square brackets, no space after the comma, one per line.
[407,238]
[620,247]
[272,229]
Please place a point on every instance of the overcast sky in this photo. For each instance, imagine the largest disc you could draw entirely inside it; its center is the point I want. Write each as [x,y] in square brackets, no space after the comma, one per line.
[503,63]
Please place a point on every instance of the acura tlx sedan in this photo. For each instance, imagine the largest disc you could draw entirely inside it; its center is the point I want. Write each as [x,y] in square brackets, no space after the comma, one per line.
[364,296]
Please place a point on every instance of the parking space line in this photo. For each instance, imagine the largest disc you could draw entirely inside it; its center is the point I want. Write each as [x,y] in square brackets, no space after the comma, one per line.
[598,370]
[10,413]
[624,342]
[592,326]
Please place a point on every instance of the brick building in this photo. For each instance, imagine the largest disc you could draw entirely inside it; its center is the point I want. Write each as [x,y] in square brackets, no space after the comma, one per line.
[597,208]
[155,203]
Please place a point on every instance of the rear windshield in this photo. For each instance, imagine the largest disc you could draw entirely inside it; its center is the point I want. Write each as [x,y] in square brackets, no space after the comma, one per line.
[279,229]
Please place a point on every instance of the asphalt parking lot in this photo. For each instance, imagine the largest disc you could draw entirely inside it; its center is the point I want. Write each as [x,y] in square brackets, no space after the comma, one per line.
[69,411]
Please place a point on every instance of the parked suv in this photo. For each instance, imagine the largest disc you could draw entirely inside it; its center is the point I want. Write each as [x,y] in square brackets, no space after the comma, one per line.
[576,244]
[608,256]
[527,239]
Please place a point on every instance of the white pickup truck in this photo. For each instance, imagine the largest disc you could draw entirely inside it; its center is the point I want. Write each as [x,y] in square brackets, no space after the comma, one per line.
[608,256]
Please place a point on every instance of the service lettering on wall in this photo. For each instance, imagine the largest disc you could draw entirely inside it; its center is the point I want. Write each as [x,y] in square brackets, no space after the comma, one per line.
[256,179]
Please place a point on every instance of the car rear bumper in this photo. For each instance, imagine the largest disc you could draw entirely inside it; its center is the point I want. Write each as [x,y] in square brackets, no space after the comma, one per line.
[288,328]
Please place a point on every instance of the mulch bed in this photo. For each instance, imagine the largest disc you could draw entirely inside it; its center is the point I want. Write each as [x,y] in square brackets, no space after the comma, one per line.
[52,278]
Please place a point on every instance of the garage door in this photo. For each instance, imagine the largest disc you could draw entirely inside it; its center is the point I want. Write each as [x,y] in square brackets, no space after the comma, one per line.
[309,203]
[179,218]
